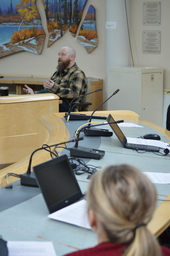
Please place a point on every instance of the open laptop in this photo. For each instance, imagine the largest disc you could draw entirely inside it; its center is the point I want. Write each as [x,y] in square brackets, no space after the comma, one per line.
[57,183]
[132,143]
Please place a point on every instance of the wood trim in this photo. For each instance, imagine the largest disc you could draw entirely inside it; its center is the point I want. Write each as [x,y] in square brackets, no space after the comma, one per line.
[161,218]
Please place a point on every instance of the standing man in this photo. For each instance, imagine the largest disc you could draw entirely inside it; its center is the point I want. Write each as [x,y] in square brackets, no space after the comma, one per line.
[68,82]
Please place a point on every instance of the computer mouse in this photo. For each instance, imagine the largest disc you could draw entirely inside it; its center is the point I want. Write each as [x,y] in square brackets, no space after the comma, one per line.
[152,136]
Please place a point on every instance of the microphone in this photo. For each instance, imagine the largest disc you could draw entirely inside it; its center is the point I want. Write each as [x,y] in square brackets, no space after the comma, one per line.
[68,116]
[91,153]
[99,132]
[28,178]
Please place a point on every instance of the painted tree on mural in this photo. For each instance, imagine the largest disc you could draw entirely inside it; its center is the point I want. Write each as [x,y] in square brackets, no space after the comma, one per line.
[46,9]
[88,36]
[11,8]
[27,10]
[20,28]
[76,17]
[64,15]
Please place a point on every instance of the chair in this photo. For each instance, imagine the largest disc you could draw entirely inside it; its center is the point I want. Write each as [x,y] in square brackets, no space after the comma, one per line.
[168,119]
[84,105]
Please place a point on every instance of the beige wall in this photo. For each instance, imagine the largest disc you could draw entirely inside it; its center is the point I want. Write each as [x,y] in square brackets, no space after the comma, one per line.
[161,60]
[94,64]
[45,64]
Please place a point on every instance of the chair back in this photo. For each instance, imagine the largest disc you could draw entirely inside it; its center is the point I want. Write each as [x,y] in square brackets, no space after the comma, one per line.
[168,119]
[86,98]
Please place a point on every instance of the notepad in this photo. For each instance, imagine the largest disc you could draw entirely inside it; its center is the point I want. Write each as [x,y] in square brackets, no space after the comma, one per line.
[75,214]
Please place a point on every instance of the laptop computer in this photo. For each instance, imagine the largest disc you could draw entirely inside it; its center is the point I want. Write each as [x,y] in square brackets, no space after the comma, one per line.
[57,183]
[132,143]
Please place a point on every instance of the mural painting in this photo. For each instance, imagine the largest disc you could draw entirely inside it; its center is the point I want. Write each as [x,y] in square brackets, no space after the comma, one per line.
[88,36]
[20,27]
[63,15]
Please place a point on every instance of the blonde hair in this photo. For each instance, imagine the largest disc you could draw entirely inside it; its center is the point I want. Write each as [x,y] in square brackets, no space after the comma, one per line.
[122,198]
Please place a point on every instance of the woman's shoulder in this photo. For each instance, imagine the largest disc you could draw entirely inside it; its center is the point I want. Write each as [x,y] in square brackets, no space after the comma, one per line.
[103,249]
[166,251]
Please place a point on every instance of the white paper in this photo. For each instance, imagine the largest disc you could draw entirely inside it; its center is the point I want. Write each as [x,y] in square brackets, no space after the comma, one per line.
[124,124]
[130,125]
[75,214]
[23,248]
[159,178]
[140,141]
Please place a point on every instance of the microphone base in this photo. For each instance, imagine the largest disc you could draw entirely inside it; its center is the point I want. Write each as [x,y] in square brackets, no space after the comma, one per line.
[74,117]
[83,152]
[97,132]
[29,180]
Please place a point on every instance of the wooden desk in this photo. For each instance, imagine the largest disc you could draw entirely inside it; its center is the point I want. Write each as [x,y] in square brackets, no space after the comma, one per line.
[33,81]
[23,118]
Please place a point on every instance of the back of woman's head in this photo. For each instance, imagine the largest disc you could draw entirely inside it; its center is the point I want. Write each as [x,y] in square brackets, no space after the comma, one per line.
[123,200]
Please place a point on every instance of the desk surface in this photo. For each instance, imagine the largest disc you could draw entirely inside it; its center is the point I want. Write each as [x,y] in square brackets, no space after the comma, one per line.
[28,220]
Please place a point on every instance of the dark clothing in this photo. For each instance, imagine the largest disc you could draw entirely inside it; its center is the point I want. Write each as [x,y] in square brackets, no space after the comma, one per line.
[63,107]
[168,118]
[70,84]
[108,249]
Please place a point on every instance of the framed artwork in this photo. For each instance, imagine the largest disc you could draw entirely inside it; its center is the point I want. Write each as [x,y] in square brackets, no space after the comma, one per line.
[20,27]
[88,36]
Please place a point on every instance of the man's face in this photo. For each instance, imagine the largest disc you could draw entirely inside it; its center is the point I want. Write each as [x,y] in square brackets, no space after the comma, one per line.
[63,60]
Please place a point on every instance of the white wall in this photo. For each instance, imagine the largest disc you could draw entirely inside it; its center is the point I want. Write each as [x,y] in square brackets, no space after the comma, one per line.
[45,64]
[161,60]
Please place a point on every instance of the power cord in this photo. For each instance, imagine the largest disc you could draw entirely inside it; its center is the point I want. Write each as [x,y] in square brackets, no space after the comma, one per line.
[80,167]
[53,154]
[164,153]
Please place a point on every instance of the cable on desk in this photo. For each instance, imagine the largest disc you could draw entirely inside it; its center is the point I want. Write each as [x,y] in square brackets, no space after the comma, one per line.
[58,152]
[80,167]
[85,125]
[6,177]
[48,148]
[166,152]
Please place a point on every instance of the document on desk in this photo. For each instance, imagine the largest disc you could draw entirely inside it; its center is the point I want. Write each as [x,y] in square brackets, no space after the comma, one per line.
[158,177]
[27,248]
[75,214]
[156,143]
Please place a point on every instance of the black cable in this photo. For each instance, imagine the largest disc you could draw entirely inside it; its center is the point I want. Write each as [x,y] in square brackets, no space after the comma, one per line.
[140,151]
[59,147]
[80,167]
[45,147]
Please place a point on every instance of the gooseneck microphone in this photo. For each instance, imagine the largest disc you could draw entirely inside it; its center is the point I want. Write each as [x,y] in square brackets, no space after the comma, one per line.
[91,153]
[28,178]
[99,132]
[70,116]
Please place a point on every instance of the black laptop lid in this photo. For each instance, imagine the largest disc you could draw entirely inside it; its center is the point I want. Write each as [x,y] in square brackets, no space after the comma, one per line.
[57,183]
[117,130]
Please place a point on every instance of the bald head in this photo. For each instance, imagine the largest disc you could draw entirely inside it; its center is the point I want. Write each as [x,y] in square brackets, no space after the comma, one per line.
[69,50]
[66,57]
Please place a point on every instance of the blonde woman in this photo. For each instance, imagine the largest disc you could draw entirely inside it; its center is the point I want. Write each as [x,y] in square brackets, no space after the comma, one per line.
[121,202]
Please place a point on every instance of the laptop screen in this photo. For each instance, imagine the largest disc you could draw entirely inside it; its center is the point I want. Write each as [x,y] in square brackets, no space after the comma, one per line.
[117,130]
[57,183]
